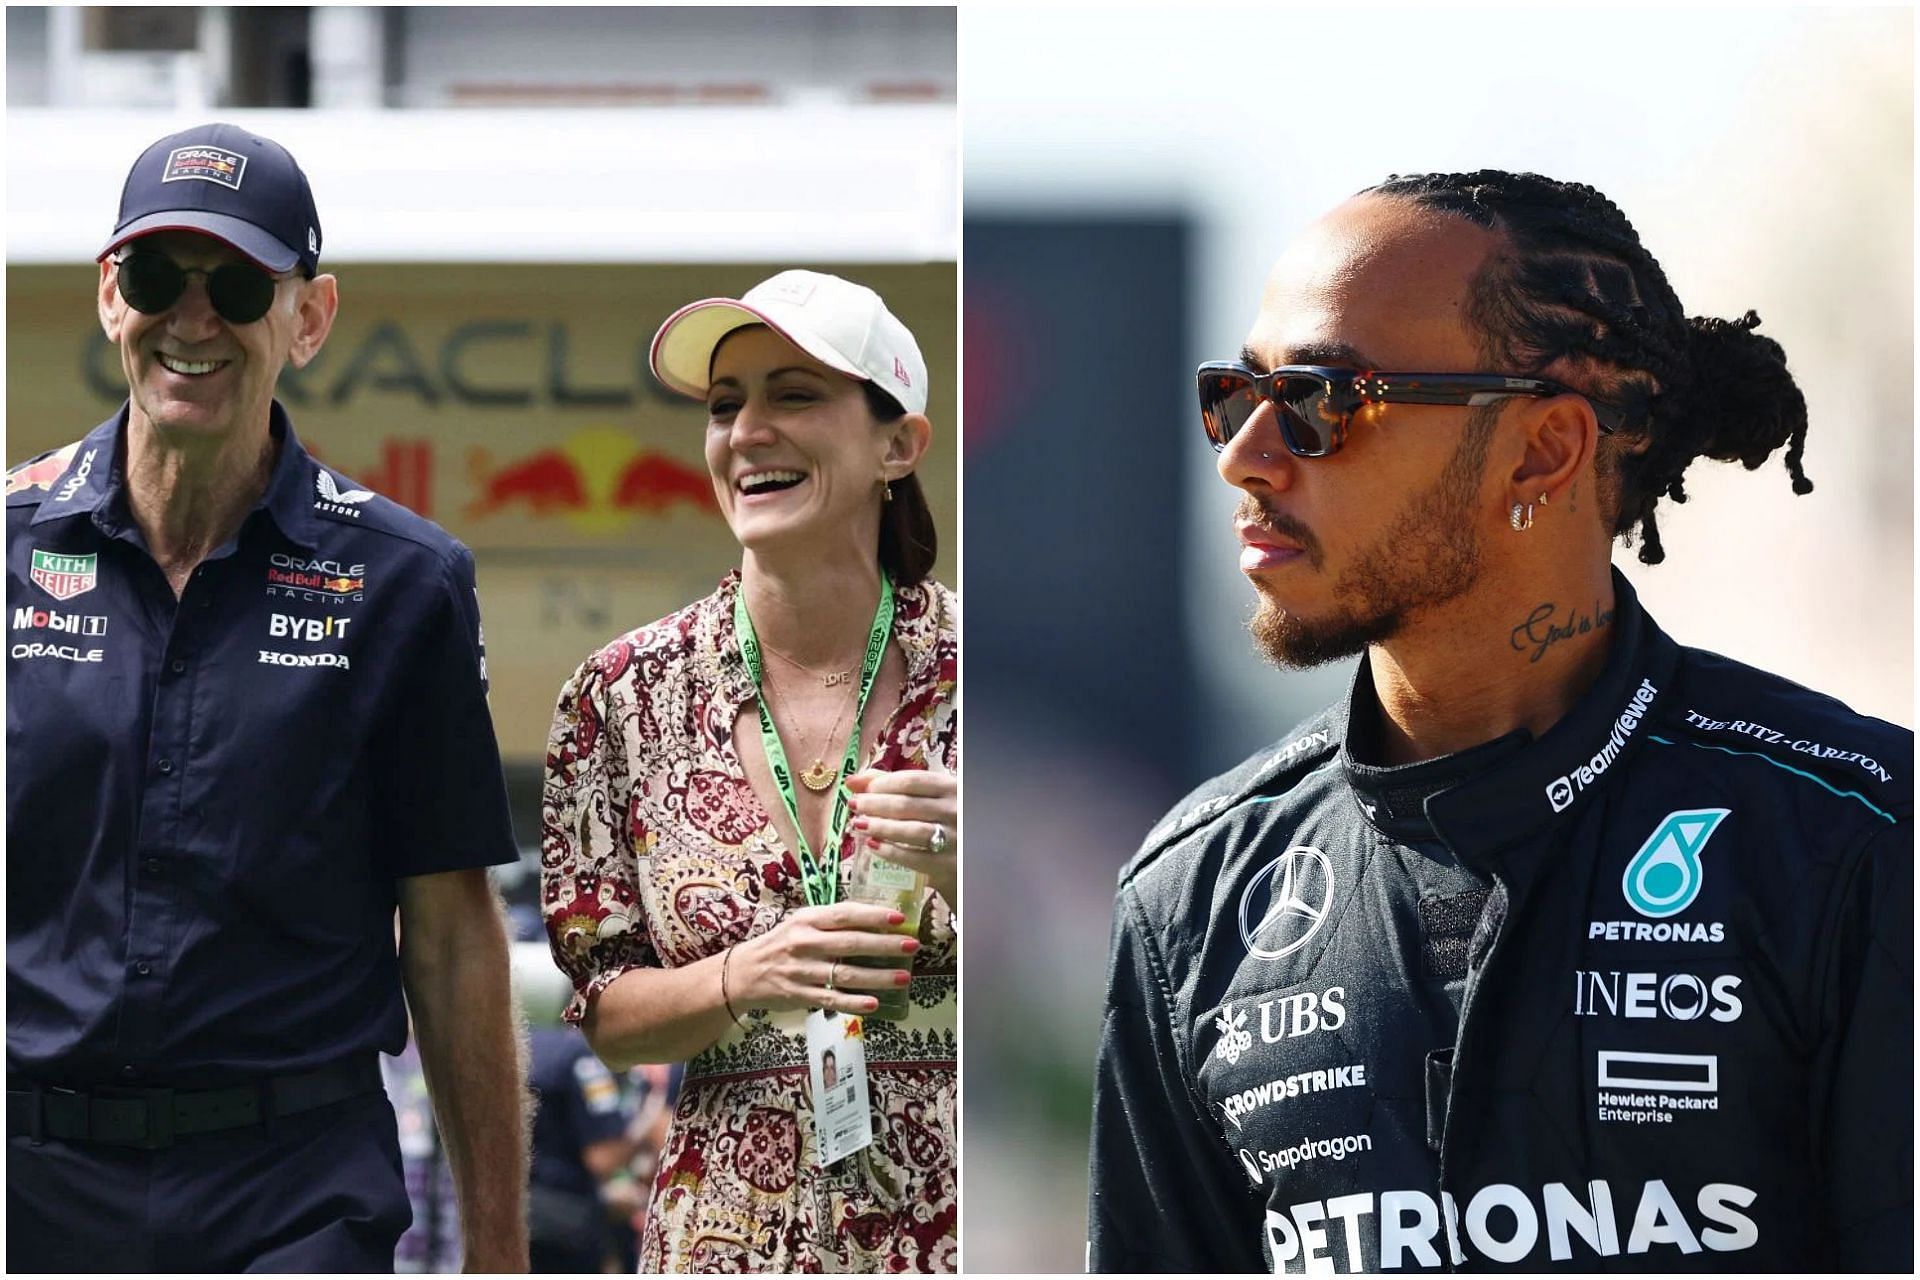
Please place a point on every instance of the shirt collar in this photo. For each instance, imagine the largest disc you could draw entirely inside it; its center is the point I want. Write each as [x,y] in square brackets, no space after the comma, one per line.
[95,465]
[100,465]
[293,489]
[1495,795]
[1394,797]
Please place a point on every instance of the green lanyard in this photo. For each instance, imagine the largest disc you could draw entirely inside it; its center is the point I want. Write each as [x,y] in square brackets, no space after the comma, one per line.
[822,883]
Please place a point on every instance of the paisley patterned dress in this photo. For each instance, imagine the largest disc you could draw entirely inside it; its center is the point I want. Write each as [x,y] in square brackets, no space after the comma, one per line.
[655,851]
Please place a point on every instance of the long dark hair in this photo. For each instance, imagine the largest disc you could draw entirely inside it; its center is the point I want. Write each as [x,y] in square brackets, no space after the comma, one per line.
[1577,285]
[909,543]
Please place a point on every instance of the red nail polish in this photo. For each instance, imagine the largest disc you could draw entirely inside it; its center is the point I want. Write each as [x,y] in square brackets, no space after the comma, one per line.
[901,978]
[872,843]
[872,1005]
[895,917]
[859,824]
[909,945]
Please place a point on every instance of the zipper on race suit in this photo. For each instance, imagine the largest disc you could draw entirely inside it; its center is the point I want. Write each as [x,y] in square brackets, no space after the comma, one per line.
[1480,956]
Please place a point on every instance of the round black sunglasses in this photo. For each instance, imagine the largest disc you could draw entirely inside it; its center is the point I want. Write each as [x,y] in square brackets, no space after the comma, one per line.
[151,282]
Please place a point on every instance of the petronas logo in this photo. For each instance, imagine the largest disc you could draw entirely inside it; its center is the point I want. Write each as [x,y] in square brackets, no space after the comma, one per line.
[1665,876]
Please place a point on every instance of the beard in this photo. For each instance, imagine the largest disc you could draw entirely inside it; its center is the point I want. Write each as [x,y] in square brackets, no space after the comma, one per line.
[1428,556]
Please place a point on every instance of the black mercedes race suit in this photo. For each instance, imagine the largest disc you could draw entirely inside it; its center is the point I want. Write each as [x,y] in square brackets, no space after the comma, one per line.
[1636,995]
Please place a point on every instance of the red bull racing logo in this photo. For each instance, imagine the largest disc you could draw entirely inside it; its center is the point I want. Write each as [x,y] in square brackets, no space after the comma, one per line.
[596,479]
[314,579]
[205,164]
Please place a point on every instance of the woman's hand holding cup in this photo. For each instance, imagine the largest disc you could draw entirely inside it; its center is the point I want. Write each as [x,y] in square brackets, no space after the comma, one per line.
[802,962]
[912,817]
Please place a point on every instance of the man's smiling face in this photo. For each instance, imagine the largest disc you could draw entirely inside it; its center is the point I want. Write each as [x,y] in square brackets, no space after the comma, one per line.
[189,370]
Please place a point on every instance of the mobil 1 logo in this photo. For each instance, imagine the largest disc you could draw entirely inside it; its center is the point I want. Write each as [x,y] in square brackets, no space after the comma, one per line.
[28,618]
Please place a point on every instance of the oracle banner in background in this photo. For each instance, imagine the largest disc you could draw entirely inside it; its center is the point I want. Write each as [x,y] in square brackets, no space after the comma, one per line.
[512,405]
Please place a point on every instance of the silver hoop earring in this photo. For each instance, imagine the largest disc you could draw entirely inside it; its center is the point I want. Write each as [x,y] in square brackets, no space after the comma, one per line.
[1519,520]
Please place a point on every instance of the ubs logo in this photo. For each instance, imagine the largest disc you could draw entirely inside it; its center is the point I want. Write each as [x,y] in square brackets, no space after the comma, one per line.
[1286,903]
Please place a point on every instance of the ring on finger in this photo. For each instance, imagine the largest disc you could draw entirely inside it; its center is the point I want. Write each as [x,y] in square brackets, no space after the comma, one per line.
[937,843]
[831,970]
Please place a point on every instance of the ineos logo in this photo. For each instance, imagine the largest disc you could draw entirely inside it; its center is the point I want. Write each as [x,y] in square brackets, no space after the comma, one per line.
[1286,903]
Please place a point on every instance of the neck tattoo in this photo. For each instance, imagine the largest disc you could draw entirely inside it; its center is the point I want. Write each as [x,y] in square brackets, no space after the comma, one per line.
[1540,632]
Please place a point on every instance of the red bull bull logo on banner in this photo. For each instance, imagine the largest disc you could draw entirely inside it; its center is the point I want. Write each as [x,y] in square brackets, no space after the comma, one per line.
[596,479]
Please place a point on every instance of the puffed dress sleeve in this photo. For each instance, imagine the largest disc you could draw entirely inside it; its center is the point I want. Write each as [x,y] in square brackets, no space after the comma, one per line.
[589,869]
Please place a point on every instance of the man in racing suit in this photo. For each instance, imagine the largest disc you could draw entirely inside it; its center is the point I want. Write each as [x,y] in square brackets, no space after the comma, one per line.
[1555,945]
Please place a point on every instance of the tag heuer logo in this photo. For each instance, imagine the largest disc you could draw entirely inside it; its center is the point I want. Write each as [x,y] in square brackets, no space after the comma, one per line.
[64,577]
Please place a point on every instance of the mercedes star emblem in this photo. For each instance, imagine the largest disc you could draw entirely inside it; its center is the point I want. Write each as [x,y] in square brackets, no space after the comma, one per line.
[1286,903]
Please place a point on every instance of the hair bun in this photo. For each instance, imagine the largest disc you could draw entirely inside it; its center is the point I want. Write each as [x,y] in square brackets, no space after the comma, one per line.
[1743,396]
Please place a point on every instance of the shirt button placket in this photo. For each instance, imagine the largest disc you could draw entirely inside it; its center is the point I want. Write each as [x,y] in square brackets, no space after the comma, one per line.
[151,929]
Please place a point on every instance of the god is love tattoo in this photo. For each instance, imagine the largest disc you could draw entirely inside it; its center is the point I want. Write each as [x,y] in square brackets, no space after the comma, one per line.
[1540,632]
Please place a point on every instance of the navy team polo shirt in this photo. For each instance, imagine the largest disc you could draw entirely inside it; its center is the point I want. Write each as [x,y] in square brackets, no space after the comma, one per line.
[209,800]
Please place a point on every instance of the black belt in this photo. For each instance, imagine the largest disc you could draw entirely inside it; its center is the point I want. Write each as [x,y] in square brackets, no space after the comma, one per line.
[153,1118]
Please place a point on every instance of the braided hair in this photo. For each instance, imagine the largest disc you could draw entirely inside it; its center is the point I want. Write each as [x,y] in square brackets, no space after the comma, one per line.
[1577,286]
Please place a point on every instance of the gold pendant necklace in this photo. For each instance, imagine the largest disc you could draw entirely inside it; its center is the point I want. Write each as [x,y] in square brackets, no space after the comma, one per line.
[816,777]
[826,678]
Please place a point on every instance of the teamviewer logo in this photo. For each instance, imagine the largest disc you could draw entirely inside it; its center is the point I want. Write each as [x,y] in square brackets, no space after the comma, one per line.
[1559,794]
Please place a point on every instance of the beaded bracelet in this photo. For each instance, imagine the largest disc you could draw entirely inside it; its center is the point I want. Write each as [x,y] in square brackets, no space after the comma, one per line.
[726,957]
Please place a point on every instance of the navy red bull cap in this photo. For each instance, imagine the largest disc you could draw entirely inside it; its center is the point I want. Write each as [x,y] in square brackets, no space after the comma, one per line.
[843,325]
[224,182]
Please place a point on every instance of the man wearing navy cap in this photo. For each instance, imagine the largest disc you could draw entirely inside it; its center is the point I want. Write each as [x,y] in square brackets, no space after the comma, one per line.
[247,721]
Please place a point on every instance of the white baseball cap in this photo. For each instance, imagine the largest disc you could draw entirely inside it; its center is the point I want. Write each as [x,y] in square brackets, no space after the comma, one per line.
[843,325]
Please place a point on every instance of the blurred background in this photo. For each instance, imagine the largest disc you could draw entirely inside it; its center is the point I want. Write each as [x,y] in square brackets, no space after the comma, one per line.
[512,199]
[1129,180]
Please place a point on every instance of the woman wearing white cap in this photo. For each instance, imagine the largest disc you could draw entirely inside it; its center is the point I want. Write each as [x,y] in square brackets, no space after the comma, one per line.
[718,781]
